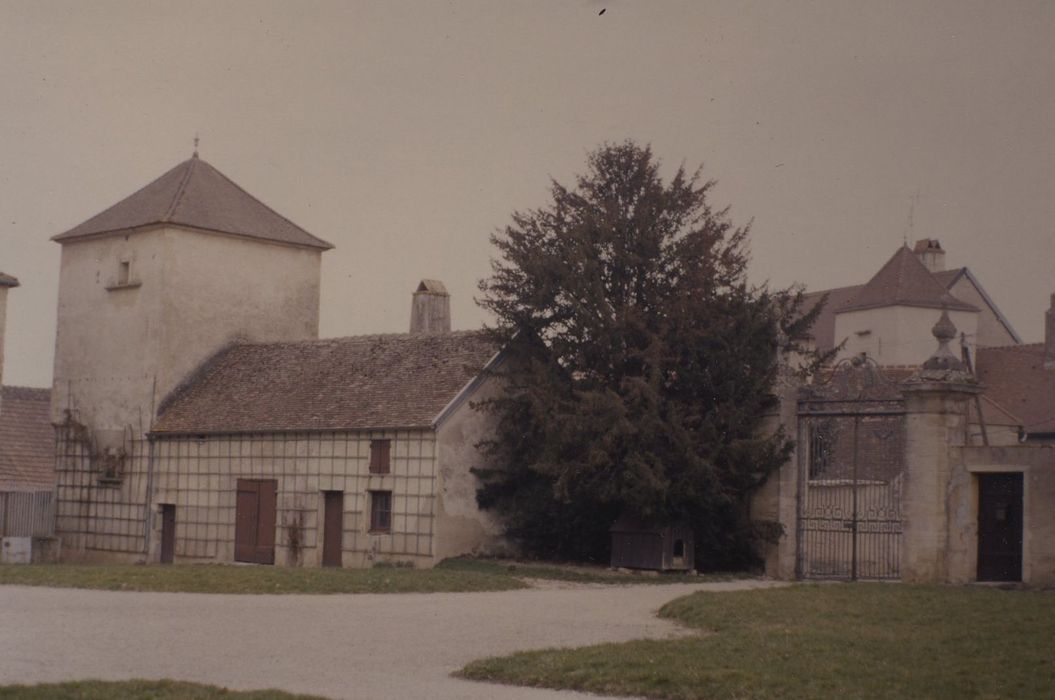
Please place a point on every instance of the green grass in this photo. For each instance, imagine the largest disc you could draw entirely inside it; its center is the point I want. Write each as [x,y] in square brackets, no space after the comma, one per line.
[451,576]
[138,690]
[219,578]
[575,573]
[819,641]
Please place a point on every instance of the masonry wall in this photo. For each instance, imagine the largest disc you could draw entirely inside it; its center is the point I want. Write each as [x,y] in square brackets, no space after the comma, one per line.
[462,527]
[199,476]
[896,335]
[1037,465]
[122,345]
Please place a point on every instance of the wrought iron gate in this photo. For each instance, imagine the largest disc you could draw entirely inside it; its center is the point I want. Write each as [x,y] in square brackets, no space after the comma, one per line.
[851,440]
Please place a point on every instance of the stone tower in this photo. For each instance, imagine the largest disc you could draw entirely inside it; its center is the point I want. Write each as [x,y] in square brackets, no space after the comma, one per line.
[156,284]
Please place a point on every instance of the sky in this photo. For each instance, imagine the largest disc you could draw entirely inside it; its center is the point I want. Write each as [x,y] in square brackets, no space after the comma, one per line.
[405,133]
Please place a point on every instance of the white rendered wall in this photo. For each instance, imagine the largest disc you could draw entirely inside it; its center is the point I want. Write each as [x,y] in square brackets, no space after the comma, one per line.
[897,335]
[191,294]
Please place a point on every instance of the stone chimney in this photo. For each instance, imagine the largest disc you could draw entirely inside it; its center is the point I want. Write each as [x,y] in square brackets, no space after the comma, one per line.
[430,311]
[6,282]
[1049,335]
[929,252]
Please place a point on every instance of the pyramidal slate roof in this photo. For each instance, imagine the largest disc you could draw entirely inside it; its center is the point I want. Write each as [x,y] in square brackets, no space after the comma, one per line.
[904,281]
[197,195]
[357,383]
[27,440]
[8,280]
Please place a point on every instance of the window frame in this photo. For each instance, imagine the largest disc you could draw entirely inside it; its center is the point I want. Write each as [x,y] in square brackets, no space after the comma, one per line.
[376,499]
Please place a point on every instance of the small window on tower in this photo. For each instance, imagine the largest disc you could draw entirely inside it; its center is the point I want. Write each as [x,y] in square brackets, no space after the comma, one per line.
[124,272]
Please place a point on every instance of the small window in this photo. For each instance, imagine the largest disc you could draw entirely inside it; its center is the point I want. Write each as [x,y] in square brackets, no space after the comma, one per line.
[124,272]
[380,511]
[380,456]
[679,549]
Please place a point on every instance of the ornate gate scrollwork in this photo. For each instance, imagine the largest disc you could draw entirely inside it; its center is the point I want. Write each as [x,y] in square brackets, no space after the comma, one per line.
[851,468]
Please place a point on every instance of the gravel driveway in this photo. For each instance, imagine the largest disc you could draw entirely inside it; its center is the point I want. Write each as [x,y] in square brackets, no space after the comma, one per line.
[339,646]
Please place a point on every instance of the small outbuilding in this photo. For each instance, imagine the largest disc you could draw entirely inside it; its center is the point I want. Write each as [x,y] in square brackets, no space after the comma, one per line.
[641,545]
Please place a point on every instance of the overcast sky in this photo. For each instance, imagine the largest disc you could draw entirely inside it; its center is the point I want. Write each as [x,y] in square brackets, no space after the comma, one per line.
[405,133]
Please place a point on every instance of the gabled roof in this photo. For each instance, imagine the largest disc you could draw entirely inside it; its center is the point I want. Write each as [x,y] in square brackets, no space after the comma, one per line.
[948,278]
[1015,378]
[196,195]
[357,383]
[27,440]
[8,280]
[904,281]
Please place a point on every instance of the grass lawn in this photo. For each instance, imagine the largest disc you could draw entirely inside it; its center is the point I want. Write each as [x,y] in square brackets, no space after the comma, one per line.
[819,641]
[453,575]
[137,690]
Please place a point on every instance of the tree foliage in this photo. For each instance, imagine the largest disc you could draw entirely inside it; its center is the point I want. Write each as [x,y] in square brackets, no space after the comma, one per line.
[639,363]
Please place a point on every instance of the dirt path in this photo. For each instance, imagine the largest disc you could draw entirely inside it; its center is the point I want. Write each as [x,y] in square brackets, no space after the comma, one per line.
[339,646]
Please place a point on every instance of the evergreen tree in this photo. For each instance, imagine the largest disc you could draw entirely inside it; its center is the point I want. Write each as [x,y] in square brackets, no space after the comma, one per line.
[639,364]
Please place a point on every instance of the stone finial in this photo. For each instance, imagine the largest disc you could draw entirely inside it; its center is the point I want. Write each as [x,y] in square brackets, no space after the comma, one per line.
[430,311]
[943,358]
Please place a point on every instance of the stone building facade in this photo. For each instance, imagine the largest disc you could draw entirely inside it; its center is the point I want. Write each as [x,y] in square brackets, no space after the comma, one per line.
[929,471]
[199,417]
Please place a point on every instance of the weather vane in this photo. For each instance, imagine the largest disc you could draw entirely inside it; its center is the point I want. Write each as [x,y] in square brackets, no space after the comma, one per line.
[195,144]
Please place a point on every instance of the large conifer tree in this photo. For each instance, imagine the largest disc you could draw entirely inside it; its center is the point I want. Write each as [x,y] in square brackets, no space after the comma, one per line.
[639,363]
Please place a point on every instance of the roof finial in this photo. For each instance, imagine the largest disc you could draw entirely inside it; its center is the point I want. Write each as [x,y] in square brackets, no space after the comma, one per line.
[913,201]
[195,144]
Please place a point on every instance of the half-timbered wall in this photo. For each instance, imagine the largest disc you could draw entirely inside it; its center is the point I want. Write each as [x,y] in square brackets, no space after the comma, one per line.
[105,517]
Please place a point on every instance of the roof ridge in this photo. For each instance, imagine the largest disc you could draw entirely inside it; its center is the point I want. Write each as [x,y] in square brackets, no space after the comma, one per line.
[178,197]
[8,387]
[365,336]
[1019,346]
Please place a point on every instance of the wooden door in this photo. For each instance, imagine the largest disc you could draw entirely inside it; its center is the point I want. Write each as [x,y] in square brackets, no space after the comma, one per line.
[254,523]
[1000,527]
[168,533]
[332,529]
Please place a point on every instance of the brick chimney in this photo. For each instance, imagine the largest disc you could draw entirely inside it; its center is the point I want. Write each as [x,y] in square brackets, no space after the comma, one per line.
[1049,335]
[430,311]
[930,253]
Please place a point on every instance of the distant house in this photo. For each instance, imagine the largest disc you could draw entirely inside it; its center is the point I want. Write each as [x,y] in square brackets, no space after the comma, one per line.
[924,452]
[27,440]
[27,461]
[200,418]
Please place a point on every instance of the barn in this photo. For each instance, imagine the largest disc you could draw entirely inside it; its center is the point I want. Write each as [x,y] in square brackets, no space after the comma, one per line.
[199,417]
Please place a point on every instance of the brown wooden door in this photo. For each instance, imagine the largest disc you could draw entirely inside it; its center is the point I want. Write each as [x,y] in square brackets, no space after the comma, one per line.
[333,526]
[254,521]
[1000,527]
[168,533]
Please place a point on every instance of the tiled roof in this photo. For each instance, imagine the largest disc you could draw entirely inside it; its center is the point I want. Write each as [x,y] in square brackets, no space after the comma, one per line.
[904,281]
[848,298]
[363,382]
[1015,378]
[27,440]
[197,195]
[8,280]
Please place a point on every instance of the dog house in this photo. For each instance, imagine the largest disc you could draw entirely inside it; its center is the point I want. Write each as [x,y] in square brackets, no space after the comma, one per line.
[642,545]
